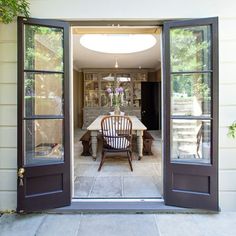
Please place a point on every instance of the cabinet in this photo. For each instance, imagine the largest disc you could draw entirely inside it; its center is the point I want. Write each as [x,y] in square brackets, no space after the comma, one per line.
[97,100]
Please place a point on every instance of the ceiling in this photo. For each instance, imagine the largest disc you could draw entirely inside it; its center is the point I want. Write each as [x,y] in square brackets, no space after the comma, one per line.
[85,58]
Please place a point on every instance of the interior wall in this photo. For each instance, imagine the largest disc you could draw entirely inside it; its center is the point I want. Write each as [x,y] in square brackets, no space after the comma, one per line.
[78,98]
[154,76]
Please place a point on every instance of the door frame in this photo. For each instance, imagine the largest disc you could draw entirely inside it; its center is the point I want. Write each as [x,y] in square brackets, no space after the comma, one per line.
[163,93]
[163,67]
[145,203]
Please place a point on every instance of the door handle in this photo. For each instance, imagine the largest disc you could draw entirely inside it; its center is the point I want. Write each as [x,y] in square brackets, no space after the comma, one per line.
[143,112]
[21,172]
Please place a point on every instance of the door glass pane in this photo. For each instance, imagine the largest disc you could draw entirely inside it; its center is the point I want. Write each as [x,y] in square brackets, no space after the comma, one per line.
[107,89]
[43,94]
[190,48]
[191,94]
[43,141]
[43,48]
[91,90]
[137,93]
[190,141]
[124,82]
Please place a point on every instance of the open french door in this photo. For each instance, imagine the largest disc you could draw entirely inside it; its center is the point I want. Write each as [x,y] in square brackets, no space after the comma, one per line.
[191,113]
[43,115]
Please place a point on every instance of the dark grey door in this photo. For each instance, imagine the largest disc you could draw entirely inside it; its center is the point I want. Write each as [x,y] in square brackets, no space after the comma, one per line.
[191,113]
[43,115]
[151,104]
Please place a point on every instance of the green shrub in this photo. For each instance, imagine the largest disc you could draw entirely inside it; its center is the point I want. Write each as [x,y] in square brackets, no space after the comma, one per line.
[232,130]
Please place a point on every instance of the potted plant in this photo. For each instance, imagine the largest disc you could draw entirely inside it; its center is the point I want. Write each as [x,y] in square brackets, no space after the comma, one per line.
[232,130]
[10,9]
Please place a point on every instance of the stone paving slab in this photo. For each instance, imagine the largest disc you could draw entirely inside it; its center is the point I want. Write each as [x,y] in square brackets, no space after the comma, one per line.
[222,224]
[83,186]
[54,225]
[177,225]
[107,187]
[144,186]
[20,225]
[118,225]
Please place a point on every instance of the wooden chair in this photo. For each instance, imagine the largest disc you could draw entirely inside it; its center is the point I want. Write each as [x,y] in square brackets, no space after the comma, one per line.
[116,137]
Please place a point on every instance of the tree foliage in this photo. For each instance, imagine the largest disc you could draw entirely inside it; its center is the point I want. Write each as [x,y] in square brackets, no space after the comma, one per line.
[10,9]
[189,51]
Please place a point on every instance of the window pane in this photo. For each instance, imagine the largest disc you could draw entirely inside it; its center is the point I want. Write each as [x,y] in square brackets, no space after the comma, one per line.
[191,141]
[43,48]
[190,48]
[43,141]
[91,90]
[43,94]
[191,94]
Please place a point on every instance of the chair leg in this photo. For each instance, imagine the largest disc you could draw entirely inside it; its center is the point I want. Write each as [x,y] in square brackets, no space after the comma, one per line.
[130,160]
[102,161]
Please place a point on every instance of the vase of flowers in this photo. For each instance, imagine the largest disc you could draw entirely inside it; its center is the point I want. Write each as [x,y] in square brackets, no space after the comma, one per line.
[117,110]
[116,98]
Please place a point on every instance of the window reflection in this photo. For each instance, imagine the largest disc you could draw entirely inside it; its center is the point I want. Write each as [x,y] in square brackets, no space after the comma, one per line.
[43,48]
[191,94]
[191,140]
[190,48]
[43,94]
[43,141]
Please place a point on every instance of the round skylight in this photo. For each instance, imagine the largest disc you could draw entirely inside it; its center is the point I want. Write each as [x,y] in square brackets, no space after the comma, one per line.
[118,43]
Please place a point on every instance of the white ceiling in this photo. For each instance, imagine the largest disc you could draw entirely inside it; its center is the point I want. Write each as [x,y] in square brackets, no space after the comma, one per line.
[85,58]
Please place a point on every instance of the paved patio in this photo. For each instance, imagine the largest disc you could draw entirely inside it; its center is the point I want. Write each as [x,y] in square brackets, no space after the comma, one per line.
[222,224]
[115,180]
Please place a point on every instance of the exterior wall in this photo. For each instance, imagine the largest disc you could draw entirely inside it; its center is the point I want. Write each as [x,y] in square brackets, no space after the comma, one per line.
[227,112]
[135,9]
[8,116]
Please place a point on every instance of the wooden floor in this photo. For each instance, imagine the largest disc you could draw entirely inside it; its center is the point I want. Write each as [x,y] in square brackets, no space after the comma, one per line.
[115,180]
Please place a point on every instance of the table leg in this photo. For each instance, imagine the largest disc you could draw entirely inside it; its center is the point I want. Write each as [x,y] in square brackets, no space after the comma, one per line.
[94,144]
[140,143]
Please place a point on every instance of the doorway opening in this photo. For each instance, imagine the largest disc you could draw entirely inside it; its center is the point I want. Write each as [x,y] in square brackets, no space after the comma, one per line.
[96,76]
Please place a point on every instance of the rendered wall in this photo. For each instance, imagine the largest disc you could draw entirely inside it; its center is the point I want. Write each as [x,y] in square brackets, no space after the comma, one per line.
[133,9]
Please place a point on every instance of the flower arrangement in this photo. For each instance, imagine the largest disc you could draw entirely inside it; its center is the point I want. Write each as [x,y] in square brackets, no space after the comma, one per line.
[116,96]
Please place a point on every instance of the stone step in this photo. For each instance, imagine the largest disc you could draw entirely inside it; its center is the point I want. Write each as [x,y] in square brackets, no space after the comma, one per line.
[186,133]
[185,140]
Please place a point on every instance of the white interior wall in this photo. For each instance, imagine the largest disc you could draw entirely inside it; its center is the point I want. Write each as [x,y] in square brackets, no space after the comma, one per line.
[134,9]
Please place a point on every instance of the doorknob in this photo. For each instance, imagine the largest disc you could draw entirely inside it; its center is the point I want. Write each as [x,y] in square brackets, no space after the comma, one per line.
[143,112]
[21,172]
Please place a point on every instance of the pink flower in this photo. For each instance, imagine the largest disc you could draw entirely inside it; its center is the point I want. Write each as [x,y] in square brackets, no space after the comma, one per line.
[119,90]
[109,90]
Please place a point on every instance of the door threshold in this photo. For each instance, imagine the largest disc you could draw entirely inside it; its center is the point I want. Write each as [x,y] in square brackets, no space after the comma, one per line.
[127,206]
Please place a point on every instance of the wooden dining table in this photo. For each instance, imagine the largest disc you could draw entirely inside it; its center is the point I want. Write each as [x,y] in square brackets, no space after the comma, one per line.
[137,128]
